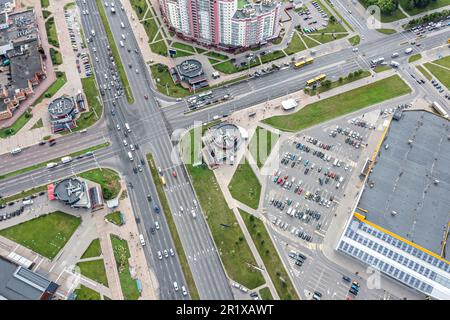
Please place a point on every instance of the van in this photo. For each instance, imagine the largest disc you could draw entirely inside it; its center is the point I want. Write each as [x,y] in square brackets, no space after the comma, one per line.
[51,165]
[16,151]
[122,25]
[66,159]
[93,32]
[141,238]
[130,156]
[121,43]
[127,127]
[27,202]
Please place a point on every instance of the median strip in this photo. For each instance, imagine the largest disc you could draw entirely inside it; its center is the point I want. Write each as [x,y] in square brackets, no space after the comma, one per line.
[43,164]
[115,52]
[173,229]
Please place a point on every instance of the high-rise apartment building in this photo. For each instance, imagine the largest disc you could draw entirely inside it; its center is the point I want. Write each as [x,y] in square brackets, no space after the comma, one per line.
[221,23]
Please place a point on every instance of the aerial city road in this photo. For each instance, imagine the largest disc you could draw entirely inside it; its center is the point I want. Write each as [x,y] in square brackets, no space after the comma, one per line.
[224,150]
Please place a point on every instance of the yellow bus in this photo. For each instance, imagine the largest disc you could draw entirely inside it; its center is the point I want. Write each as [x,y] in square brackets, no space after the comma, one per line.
[299,64]
[315,80]
[302,63]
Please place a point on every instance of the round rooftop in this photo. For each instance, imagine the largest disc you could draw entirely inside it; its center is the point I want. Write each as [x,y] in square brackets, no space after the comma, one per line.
[190,68]
[61,106]
[69,190]
[226,136]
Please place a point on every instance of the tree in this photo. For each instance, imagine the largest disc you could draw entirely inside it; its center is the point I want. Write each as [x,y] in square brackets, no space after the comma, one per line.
[333,19]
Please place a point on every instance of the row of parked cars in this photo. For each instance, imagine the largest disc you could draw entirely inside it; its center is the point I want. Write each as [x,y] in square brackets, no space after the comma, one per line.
[7,216]
[298,257]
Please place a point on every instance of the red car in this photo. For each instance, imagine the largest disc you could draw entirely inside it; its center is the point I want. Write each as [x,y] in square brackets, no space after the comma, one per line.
[299,191]
[174,173]
[279,180]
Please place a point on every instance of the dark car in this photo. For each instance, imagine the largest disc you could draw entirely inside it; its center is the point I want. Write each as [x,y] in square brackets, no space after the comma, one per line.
[152,230]
[346,279]
[41,193]
[135,170]
[2,206]
[41,143]
[149,197]
[156,208]
[142,161]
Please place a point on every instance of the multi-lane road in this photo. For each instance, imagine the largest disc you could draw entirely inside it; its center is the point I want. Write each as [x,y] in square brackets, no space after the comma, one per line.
[151,127]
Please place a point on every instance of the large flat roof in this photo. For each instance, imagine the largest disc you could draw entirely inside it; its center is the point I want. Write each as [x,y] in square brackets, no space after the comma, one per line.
[413,180]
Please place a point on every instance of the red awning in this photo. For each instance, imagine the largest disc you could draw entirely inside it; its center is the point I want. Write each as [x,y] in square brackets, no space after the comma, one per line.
[50,189]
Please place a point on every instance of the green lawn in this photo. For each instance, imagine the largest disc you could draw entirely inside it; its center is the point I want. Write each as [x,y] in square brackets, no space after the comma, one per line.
[272,56]
[140,7]
[159,48]
[341,104]
[233,249]
[183,46]
[425,73]
[115,52]
[270,257]
[442,74]
[325,38]
[114,217]
[245,186]
[61,80]
[386,31]
[16,126]
[309,42]
[200,50]
[85,293]
[379,69]
[43,164]
[335,84]
[355,40]
[394,16]
[51,32]
[173,230]
[435,4]
[296,45]
[70,5]
[95,270]
[45,235]
[181,53]
[445,62]
[56,57]
[46,14]
[265,294]
[216,55]
[165,84]
[94,250]
[414,57]
[151,29]
[122,254]
[38,124]
[45,3]
[228,67]
[107,178]
[92,94]
[261,145]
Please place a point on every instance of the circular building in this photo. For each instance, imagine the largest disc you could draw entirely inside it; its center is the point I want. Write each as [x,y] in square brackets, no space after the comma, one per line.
[61,108]
[226,136]
[191,72]
[70,191]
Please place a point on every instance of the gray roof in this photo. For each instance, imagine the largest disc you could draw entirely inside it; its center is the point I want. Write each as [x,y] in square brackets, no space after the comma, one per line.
[18,283]
[405,180]
[25,66]
[69,190]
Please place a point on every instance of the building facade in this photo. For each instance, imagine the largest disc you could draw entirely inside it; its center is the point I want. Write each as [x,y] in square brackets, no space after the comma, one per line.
[221,23]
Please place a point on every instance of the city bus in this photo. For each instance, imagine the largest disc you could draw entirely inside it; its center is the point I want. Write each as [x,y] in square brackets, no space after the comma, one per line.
[205,95]
[303,63]
[315,80]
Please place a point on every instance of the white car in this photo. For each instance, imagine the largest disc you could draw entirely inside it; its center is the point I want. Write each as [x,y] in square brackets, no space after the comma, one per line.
[355,49]
[137,71]
[118,127]
[159,255]
[132,147]
[106,4]
[166,254]
[156,225]
[194,202]
[175,286]
[172,253]
[183,290]
[181,208]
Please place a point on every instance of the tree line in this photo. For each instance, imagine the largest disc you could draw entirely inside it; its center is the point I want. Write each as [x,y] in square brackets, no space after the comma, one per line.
[389,6]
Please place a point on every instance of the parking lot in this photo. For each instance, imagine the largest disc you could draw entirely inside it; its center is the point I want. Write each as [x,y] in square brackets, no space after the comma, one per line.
[304,191]
[73,25]
[313,17]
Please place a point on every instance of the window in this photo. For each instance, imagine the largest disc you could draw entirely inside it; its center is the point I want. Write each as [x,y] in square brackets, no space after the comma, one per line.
[421,269]
[402,274]
[385,251]
[400,259]
[390,254]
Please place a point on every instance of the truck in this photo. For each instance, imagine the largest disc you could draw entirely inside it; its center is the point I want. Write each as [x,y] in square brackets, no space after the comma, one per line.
[66,159]
[394,64]
[127,126]
[130,156]
[51,165]
[16,151]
